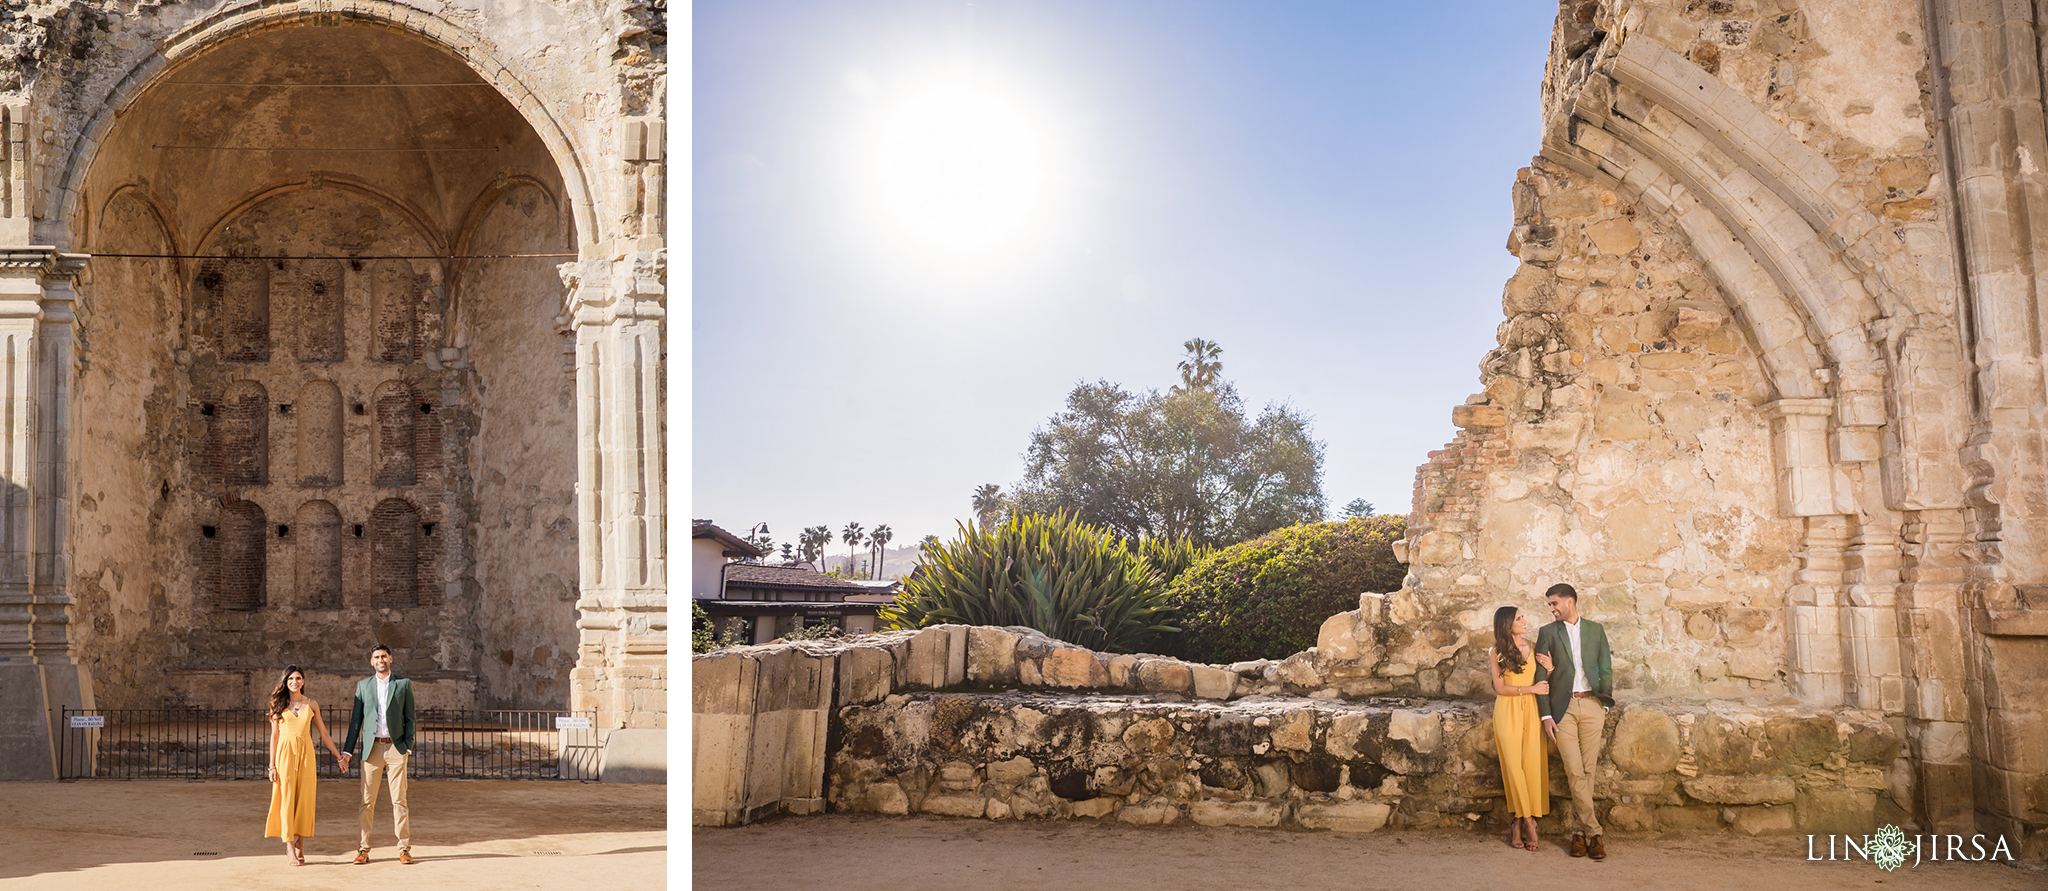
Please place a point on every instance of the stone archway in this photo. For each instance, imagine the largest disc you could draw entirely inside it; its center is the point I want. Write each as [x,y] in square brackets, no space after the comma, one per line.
[320,178]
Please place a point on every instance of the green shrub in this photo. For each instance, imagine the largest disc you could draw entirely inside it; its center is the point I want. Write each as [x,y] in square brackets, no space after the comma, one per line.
[704,633]
[1266,598]
[1171,556]
[1073,581]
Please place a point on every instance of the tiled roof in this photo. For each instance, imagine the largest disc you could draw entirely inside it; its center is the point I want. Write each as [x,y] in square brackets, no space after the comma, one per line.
[755,575]
[734,545]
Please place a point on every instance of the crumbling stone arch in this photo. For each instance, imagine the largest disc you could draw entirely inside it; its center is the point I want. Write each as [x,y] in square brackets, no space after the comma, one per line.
[475,49]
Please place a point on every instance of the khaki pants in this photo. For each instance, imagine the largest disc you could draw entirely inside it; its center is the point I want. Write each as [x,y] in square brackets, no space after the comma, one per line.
[384,758]
[1578,743]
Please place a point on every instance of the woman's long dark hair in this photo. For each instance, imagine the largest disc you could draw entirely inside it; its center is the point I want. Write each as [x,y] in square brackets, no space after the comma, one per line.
[281,698]
[1506,646]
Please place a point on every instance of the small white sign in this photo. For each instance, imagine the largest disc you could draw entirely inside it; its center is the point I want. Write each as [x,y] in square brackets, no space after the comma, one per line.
[562,723]
[88,721]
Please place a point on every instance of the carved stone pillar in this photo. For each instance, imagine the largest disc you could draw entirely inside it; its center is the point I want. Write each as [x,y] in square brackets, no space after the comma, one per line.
[39,674]
[1931,631]
[616,316]
[1815,614]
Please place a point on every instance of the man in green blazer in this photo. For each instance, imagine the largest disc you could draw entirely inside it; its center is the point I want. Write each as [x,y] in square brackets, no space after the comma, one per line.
[1581,676]
[380,736]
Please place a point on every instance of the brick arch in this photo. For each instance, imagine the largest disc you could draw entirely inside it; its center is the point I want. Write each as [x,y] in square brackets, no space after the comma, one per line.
[396,552]
[316,565]
[395,435]
[242,434]
[477,51]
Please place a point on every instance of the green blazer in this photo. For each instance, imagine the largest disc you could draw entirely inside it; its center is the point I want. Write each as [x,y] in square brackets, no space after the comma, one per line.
[401,717]
[1556,641]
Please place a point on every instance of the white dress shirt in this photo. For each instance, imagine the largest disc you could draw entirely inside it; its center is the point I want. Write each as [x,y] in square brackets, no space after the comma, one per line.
[1579,682]
[383,702]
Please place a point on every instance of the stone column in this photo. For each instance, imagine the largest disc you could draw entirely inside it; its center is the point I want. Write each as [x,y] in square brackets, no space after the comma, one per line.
[39,674]
[616,315]
[1938,704]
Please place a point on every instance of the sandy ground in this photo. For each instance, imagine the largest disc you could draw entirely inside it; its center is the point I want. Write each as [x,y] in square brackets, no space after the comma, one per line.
[855,853]
[175,835]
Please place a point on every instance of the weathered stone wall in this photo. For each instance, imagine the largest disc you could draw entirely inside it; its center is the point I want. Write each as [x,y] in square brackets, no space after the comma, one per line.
[1033,728]
[1761,376]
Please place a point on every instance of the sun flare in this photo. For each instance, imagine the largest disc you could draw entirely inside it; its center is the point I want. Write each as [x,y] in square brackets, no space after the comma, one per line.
[960,169]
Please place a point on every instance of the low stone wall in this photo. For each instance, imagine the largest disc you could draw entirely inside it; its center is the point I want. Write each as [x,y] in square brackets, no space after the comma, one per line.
[1352,766]
[1006,723]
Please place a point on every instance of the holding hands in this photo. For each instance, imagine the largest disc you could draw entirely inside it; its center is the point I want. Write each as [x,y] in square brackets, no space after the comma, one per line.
[342,758]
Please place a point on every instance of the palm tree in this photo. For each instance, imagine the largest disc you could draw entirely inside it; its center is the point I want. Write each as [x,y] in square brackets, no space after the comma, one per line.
[851,536]
[879,541]
[1203,366]
[814,540]
[988,503]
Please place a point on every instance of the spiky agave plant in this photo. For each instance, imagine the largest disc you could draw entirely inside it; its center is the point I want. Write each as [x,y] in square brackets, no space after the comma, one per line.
[1170,555]
[1073,581]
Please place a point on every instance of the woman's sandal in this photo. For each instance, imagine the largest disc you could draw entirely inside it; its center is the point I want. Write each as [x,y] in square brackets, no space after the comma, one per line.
[1531,845]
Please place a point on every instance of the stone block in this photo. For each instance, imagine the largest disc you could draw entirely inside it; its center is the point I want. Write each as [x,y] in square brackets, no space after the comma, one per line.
[991,656]
[1438,547]
[1213,683]
[866,674]
[1621,415]
[1630,818]
[1011,772]
[1479,416]
[1150,813]
[887,798]
[1336,639]
[634,756]
[1122,669]
[956,654]
[956,776]
[1165,676]
[1149,737]
[1805,741]
[1836,811]
[1763,820]
[1297,671]
[1073,667]
[954,805]
[1695,819]
[1614,238]
[1259,814]
[1292,732]
[1095,808]
[1645,743]
[1757,664]
[1741,789]
[1421,730]
[922,665]
[1351,816]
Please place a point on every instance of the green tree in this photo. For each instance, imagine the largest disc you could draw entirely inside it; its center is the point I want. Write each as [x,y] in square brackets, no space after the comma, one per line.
[1267,598]
[1187,463]
[1075,582]
[988,504]
[1358,507]
[851,537]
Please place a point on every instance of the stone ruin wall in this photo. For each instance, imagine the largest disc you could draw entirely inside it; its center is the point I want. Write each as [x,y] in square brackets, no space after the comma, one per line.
[1005,723]
[202,400]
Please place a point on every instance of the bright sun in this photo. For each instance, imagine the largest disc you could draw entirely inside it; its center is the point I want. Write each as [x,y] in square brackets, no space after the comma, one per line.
[960,169]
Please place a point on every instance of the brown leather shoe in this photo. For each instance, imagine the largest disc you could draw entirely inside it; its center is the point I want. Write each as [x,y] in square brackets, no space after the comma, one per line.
[362,857]
[405,856]
[1579,844]
[1595,849]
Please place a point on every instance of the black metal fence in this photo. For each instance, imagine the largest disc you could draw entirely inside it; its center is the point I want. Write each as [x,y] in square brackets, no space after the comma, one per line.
[229,743]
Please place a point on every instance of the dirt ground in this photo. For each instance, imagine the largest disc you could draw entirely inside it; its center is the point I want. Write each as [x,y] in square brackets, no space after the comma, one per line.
[176,835]
[857,853]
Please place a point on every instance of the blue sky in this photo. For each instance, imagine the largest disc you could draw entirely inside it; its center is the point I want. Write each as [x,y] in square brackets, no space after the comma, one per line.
[1323,189]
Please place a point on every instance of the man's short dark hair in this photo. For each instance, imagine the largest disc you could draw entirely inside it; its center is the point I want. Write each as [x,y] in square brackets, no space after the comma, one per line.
[1562,590]
[373,650]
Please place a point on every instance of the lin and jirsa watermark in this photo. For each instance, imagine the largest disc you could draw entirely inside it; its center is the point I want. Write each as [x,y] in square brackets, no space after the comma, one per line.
[1890,847]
